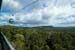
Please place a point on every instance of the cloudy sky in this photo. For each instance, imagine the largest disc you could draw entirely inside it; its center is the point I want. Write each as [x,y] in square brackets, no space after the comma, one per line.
[28,13]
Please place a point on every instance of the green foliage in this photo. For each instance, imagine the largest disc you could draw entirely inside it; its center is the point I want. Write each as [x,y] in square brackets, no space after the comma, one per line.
[40,38]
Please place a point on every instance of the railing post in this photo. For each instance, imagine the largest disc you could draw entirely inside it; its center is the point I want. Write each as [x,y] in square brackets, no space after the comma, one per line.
[1,42]
[5,44]
[0,3]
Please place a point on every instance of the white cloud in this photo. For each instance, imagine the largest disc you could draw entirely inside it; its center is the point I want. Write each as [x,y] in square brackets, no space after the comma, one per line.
[11,5]
[49,15]
[37,16]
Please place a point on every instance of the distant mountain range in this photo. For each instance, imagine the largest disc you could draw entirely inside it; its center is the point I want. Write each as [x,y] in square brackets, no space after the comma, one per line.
[38,26]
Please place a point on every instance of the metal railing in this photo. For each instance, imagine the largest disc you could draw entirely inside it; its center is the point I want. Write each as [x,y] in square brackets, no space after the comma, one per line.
[4,43]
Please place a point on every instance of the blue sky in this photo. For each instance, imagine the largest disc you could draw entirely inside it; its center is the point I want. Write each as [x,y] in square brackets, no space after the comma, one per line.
[28,13]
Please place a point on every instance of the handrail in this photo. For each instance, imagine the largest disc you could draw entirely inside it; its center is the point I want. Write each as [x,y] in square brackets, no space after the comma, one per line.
[6,42]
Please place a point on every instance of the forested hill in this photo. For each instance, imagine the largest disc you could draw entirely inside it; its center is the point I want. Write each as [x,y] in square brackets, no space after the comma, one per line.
[40,38]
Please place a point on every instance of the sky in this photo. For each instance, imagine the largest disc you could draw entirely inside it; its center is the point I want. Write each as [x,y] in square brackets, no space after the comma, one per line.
[30,13]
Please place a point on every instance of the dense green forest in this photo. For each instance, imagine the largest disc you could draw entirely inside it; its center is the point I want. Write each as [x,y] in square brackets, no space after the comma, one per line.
[40,38]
